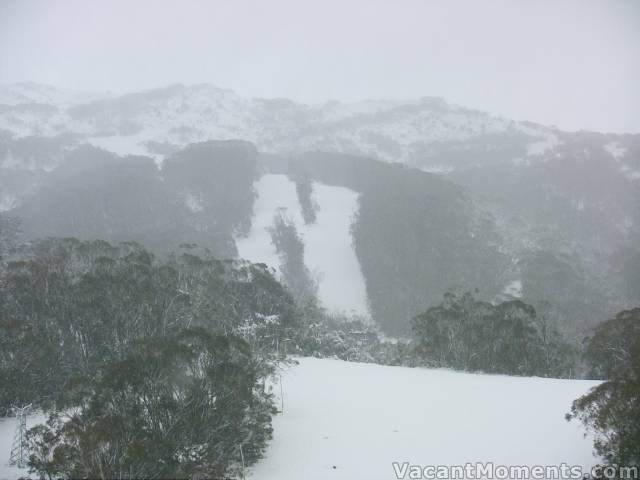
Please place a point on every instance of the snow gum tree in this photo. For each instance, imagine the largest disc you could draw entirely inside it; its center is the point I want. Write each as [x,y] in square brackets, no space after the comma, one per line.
[172,408]
[612,409]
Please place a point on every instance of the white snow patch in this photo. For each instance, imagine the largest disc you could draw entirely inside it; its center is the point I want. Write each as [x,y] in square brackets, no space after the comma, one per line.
[362,417]
[346,421]
[7,431]
[29,92]
[616,150]
[437,169]
[634,175]
[123,146]
[513,289]
[7,202]
[630,174]
[579,204]
[193,202]
[274,193]
[548,142]
[387,130]
[337,111]
[329,254]
[329,251]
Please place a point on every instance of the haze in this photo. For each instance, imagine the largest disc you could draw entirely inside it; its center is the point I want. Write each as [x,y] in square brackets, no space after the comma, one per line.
[574,64]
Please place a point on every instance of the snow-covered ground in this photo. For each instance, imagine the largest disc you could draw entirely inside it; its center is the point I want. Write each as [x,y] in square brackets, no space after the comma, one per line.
[350,421]
[548,142]
[273,192]
[7,432]
[329,254]
[513,289]
[123,146]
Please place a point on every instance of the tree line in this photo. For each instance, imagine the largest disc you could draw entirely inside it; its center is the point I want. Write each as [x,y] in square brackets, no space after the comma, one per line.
[147,367]
[159,367]
[512,338]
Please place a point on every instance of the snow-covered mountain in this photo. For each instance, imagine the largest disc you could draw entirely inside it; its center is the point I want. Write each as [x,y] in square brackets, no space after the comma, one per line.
[534,202]
[30,92]
[178,115]
[428,133]
[425,132]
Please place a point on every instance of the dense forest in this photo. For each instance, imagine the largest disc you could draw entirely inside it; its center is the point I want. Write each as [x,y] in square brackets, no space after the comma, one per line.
[458,230]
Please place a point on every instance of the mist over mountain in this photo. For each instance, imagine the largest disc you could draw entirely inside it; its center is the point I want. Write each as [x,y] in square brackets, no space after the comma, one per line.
[446,196]
[319,240]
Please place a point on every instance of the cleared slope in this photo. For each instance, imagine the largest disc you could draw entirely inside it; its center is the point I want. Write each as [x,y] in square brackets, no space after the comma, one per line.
[362,417]
[329,253]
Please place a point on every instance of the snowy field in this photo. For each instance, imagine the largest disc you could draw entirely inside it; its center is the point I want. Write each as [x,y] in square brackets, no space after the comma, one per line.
[359,418]
[7,431]
[350,421]
[328,254]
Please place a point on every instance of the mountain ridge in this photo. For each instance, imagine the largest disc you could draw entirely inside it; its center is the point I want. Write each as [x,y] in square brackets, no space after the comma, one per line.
[537,201]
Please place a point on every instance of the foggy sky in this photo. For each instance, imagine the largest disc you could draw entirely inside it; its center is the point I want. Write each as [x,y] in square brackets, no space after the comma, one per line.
[573,63]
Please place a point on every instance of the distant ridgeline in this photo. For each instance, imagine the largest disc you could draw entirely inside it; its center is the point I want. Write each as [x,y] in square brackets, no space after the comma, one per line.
[416,234]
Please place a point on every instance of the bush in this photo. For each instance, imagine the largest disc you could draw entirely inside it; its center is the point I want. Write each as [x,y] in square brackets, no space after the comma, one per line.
[172,408]
[612,409]
[509,338]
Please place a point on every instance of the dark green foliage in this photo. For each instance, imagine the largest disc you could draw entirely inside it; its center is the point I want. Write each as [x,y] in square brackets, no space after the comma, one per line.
[486,150]
[612,343]
[355,341]
[68,306]
[290,248]
[415,234]
[17,184]
[570,212]
[625,263]
[561,279]
[202,195]
[113,116]
[220,176]
[612,409]
[171,408]
[239,297]
[35,153]
[9,237]
[415,237]
[465,333]
[304,190]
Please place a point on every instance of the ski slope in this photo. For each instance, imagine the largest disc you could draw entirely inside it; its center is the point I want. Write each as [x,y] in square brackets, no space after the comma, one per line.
[329,254]
[350,421]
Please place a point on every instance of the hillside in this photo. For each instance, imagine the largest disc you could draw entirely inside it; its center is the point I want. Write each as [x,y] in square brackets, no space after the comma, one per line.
[217,195]
[446,196]
[328,254]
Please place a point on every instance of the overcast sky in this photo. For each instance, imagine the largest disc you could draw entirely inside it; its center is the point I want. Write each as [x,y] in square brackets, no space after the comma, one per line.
[573,63]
